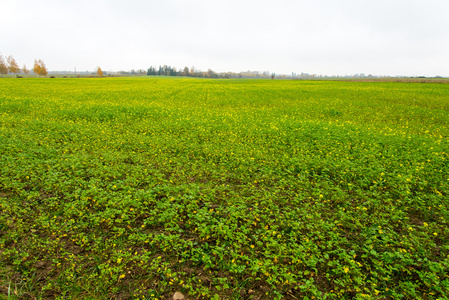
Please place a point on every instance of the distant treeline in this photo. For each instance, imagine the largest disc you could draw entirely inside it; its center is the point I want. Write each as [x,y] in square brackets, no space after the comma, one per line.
[192,72]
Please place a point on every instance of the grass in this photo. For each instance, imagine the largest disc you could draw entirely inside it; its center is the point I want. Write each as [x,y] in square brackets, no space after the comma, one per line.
[238,189]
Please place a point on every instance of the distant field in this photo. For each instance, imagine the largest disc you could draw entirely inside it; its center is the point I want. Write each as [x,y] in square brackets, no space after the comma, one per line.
[135,188]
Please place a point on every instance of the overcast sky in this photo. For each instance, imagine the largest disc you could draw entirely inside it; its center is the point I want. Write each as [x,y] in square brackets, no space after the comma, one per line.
[339,37]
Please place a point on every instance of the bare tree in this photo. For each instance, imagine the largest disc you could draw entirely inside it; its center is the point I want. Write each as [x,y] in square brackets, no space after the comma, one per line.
[25,70]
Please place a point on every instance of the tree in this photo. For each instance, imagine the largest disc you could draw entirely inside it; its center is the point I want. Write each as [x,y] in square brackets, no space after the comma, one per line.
[39,68]
[3,66]
[25,70]
[186,72]
[211,74]
[44,71]
[151,71]
[99,72]
[13,67]
[36,68]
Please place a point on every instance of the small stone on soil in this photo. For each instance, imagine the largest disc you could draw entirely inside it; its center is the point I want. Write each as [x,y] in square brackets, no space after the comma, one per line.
[178,296]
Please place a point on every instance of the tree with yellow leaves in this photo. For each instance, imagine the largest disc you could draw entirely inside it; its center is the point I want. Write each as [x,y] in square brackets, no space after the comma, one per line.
[39,68]
[36,68]
[13,67]
[99,72]
[44,71]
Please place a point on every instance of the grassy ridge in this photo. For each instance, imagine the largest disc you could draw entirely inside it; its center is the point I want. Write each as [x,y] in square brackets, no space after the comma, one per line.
[140,187]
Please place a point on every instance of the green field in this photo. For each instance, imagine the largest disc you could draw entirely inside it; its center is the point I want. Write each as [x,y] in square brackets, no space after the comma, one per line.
[135,188]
